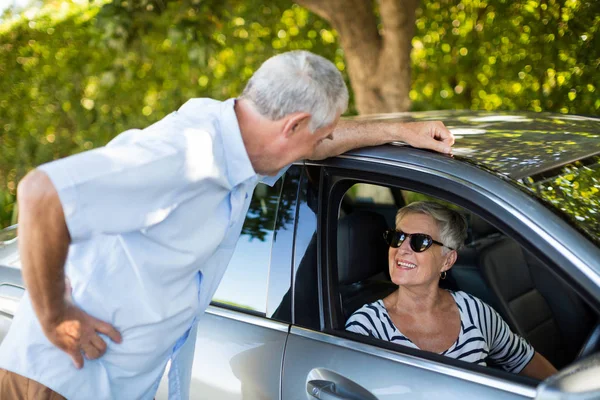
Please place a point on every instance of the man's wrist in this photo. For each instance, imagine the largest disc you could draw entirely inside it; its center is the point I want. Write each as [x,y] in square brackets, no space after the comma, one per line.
[53,316]
[398,131]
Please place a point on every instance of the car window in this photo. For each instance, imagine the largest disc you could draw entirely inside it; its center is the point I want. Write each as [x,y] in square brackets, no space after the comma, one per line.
[574,190]
[491,267]
[244,285]
[367,193]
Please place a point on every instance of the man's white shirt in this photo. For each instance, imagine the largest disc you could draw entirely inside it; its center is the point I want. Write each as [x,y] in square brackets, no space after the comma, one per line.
[154,218]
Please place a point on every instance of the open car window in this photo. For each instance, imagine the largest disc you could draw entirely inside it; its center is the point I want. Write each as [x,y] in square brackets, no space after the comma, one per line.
[533,301]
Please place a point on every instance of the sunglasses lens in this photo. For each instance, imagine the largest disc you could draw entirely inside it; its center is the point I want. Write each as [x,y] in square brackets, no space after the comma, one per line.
[420,242]
[394,238]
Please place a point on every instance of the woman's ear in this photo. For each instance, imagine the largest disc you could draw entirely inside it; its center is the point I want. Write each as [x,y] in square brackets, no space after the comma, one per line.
[295,122]
[450,260]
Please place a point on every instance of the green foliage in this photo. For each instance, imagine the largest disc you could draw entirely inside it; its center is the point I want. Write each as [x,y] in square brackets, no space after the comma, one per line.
[539,55]
[75,74]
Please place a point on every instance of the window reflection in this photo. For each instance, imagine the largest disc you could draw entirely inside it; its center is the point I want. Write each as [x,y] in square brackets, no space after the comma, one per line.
[303,299]
[573,189]
[244,284]
[280,278]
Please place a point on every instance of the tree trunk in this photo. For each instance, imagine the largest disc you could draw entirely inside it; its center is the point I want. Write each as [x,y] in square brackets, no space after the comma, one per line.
[378,61]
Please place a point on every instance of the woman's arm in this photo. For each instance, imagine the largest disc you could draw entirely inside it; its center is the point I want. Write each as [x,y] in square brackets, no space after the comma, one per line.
[538,368]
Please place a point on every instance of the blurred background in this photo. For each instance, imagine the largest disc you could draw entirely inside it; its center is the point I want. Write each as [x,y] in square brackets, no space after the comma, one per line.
[75,73]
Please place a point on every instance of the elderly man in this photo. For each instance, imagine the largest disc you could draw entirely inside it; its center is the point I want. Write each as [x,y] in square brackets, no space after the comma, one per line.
[144,229]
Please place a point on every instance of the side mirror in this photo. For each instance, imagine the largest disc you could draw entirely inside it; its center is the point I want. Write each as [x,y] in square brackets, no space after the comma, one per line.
[579,381]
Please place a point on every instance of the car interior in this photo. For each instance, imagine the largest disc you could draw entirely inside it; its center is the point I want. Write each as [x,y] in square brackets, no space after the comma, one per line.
[534,301]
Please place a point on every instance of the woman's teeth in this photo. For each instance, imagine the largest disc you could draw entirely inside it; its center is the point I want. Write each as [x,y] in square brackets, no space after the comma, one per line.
[406,265]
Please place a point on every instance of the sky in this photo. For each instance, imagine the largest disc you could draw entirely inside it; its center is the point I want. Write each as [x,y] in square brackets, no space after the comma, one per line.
[17,4]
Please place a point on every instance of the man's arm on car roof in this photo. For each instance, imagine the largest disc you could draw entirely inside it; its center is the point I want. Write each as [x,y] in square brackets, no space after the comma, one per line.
[350,134]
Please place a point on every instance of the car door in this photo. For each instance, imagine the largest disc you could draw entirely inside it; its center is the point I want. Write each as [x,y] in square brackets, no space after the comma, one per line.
[241,338]
[321,361]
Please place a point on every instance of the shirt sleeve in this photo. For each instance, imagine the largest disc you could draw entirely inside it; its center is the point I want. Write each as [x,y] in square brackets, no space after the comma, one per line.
[362,323]
[507,349]
[132,184]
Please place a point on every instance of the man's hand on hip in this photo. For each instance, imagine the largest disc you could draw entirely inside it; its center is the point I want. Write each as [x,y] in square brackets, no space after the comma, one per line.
[76,333]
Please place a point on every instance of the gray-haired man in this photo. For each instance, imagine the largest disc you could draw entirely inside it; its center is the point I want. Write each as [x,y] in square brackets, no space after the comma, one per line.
[144,228]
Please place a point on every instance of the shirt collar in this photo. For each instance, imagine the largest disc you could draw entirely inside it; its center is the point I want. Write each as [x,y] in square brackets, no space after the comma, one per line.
[239,167]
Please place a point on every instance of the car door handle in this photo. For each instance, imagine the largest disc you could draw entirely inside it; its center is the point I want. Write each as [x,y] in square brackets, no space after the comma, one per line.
[324,390]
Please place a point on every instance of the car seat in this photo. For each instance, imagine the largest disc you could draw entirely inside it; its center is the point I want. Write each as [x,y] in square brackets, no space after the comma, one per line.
[535,301]
[362,265]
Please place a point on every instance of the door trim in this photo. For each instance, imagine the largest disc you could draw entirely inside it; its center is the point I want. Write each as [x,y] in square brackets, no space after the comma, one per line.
[247,318]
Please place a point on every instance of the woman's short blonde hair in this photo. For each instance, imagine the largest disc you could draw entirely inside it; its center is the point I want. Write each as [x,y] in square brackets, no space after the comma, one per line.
[452,225]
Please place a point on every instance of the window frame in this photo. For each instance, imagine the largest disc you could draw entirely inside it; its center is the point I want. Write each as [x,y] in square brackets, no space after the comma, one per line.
[340,174]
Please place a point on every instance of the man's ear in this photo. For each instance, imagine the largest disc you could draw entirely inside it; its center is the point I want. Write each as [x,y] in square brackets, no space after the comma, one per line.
[295,122]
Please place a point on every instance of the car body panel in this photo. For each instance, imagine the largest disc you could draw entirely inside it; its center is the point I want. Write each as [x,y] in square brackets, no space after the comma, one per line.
[387,375]
[236,357]
[514,144]
[9,252]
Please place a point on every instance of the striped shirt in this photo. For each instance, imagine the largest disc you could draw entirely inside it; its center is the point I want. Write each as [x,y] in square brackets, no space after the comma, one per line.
[484,337]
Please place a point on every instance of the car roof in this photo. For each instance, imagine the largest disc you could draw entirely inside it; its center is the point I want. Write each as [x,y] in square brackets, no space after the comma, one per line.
[515,144]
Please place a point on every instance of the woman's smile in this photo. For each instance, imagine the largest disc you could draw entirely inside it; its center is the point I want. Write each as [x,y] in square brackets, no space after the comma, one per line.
[404,264]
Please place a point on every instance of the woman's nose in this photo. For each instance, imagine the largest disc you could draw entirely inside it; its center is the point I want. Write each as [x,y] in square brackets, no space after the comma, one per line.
[405,246]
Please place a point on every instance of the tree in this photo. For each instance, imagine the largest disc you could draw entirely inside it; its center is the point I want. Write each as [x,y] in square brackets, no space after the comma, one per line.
[378,59]
[74,74]
[469,49]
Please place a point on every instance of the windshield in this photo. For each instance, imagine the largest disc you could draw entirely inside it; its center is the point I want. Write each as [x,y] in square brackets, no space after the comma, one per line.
[573,189]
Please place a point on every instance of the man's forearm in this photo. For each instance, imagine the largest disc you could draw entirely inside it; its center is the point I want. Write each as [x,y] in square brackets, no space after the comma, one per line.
[350,135]
[43,244]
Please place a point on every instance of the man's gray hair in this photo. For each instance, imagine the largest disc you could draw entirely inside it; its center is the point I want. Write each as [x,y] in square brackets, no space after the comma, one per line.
[298,81]
[452,225]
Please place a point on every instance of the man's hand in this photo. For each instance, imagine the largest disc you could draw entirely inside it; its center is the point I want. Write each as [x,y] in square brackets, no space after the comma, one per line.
[432,135]
[76,332]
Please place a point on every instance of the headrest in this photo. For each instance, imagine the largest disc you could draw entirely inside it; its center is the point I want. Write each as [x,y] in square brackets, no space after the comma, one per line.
[479,228]
[362,251]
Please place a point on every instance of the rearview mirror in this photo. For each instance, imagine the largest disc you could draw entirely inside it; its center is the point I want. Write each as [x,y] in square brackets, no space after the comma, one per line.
[579,381]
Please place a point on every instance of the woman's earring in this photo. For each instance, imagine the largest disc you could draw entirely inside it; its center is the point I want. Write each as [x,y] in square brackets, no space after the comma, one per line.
[443,275]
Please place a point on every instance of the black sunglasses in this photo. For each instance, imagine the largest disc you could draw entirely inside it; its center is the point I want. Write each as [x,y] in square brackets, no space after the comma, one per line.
[419,242]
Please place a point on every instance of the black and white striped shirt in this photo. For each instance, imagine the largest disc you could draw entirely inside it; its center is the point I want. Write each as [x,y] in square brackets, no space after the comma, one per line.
[484,337]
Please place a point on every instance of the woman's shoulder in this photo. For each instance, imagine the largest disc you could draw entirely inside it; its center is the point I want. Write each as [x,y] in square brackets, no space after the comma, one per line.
[375,308]
[468,299]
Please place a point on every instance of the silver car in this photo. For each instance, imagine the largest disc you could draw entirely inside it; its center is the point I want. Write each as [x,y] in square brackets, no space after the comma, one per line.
[310,255]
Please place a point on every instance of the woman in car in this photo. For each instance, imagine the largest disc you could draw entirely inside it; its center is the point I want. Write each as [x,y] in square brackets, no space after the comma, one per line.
[421,315]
